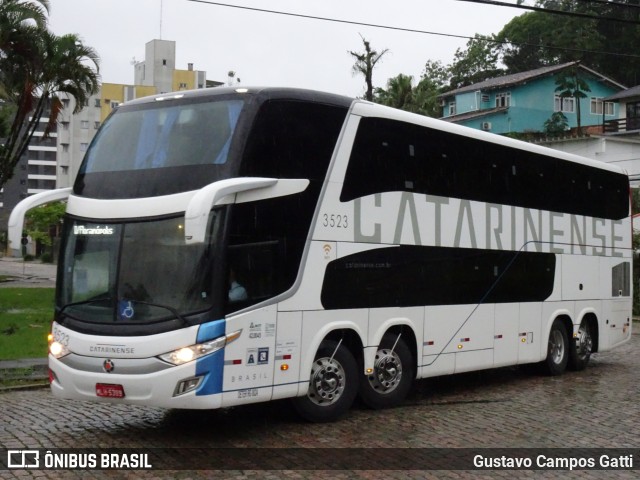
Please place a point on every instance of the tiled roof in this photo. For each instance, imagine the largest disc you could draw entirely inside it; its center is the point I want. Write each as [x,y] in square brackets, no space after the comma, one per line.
[628,93]
[522,77]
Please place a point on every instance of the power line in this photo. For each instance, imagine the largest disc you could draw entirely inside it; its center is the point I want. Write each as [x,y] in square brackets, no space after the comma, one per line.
[553,11]
[615,4]
[409,30]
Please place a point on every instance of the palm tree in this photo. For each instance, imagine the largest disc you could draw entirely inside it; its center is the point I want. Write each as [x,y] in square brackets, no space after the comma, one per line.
[365,63]
[398,94]
[18,19]
[32,81]
[570,85]
[16,14]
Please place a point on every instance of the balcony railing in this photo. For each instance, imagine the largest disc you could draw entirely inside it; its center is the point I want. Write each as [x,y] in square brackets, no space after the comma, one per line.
[623,125]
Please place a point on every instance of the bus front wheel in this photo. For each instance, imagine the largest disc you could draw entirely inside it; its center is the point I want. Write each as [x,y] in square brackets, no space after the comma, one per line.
[333,384]
[557,349]
[392,375]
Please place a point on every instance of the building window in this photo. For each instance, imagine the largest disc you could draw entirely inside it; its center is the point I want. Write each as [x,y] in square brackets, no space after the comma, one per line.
[65,148]
[182,85]
[84,124]
[96,125]
[114,105]
[597,105]
[65,103]
[564,104]
[452,108]
[503,99]
[83,147]
[97,104]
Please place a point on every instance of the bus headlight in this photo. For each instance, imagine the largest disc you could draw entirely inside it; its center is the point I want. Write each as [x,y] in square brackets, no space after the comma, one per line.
[193,352]
[58,350]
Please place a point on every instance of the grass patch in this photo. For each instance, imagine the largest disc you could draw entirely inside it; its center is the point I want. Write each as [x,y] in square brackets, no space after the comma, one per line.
[25,319]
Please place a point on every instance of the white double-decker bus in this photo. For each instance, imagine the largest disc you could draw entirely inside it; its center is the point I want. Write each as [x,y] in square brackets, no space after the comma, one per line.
[229,246]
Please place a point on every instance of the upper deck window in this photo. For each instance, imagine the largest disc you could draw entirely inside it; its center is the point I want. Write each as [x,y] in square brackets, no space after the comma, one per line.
[161,148]
[177,135]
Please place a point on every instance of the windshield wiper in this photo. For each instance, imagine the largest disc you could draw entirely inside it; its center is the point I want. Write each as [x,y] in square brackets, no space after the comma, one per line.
[107,297]
[171,309]
[99,298]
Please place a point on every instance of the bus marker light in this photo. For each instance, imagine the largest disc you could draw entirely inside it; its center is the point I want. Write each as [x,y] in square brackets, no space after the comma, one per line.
[523,339]
[284,367]
[369,371]
[459,347]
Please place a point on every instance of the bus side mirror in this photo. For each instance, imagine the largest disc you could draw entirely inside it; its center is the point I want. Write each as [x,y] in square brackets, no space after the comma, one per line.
[233,190]
[16,220]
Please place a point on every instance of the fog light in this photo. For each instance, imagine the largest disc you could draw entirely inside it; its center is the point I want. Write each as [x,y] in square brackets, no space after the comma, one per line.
[187,385]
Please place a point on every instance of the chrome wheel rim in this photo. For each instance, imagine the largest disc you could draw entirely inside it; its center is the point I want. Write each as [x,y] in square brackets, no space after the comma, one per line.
[585,342]
[556,346]
[327,382]
[387,372]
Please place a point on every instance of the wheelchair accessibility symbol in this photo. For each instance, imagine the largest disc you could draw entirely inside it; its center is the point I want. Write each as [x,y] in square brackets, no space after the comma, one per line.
[125,310]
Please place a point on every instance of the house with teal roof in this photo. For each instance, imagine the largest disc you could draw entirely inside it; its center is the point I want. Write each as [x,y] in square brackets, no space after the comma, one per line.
[523,102]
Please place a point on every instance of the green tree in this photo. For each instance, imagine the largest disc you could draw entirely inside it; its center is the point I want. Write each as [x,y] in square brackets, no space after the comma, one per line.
[476,63]
[398,94]
[40,220]
[434,81]
[364,64]
[537,39]
[556,124]
[35,67]
[570,85]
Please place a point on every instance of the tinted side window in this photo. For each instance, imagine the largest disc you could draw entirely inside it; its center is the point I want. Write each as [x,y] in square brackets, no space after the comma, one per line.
[289,139]
[408,276]
[395,156]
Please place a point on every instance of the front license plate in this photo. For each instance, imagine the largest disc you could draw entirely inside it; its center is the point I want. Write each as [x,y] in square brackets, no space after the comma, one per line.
[109,390]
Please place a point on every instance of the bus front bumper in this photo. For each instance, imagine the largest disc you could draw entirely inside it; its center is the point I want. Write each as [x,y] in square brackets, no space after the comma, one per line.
[175,387]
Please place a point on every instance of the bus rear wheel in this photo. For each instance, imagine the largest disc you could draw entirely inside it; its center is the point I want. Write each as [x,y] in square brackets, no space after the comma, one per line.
[332,385]
[582,347]
[557,349]
[392,375]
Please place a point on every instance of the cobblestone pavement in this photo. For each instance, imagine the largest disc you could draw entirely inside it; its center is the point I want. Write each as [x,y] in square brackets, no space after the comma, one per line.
[598,407]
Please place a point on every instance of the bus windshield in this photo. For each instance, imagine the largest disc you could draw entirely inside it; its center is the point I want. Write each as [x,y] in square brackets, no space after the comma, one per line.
[135,273]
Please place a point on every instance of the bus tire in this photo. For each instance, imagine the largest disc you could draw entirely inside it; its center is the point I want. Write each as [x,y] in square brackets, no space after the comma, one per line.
[557,349]
[333,384]
[581,347]
[392,376]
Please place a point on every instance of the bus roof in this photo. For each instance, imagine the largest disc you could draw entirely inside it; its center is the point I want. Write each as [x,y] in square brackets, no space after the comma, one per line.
[264,92]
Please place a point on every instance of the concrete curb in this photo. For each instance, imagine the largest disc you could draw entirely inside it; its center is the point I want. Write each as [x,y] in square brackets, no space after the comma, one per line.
[24,369]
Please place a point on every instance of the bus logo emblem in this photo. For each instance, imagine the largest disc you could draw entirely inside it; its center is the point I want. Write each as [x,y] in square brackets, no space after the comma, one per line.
[108,366]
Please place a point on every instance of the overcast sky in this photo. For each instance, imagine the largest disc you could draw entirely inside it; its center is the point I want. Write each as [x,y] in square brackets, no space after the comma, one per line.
[275,50]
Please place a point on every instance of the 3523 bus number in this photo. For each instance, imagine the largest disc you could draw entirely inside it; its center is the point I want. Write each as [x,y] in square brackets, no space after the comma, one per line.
[333,220]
